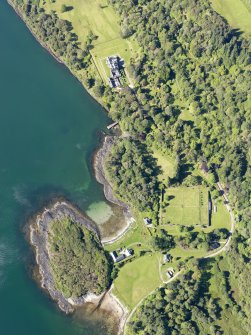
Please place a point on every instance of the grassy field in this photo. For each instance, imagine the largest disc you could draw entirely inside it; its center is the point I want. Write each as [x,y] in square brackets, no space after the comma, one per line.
[140,276]
[88,16]
[118,46]
[235,12]
[167,165]
[221,219]
[138,233]
[137,279]
[187,206]
[96,17]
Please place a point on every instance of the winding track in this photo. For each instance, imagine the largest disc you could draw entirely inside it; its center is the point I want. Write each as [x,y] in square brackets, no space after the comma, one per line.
[140,302]
[224,248]
[232,229]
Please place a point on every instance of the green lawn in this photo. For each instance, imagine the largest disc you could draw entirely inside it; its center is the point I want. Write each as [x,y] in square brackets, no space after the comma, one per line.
[138,233]
[137,279]
[99,18]
[186,206]
[187,253]
[124,48]
[179,254]
[167,165]
[189,207]
[235,12]
[89,16]
[221,219]
[140,276]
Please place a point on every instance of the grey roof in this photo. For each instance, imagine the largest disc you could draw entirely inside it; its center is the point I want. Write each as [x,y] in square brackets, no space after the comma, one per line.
[147,220]
[167,257]
[120,258]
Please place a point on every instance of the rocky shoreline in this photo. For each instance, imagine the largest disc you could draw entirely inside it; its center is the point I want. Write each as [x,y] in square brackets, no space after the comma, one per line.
[39,239]
[98,165]
[101,153]
[39,229]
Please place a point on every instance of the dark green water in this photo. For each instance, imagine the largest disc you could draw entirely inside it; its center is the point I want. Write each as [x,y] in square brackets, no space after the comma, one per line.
[48,131]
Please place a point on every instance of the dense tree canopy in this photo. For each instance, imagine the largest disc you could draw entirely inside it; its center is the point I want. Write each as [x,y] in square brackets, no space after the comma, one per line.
[193,64]
[132,172]
[77,259]
[192,100]
[189,306]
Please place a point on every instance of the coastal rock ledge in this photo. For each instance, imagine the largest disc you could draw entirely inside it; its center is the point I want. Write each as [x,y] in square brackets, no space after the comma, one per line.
[39,235]
[98,165]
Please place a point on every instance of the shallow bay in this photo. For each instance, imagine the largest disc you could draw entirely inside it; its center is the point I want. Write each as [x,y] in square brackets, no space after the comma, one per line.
[49,128]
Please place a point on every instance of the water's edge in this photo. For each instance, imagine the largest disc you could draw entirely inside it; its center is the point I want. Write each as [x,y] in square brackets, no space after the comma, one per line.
[48,49]
[107,300]
[39,229]
[98,166]
[101,152]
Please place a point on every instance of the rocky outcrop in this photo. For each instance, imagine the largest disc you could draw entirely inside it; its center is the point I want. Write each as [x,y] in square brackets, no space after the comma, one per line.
[98,164]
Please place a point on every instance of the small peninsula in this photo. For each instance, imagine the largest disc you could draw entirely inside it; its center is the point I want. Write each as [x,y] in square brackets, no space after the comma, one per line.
[175,78]
[72,263]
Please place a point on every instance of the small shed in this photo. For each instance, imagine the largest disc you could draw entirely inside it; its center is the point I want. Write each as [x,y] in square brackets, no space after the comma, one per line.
[215,208]
[167,258]
[147,221]
[170,273]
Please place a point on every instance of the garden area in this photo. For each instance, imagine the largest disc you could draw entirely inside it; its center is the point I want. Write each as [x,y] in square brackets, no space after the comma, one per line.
[184,234]
[235,12]
[95,20]
[186,206]
[137,279]
[167,164]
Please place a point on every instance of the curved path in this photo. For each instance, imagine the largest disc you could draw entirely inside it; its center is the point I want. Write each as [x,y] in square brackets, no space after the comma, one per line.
[226,245]
[140,302]
[121,233]
[224,248]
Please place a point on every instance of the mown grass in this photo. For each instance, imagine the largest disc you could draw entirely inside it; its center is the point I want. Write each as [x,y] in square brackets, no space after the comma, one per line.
[137,279]
[138,233]
[189,207]
[140,276]
[124,48]
[235,12]
[186,206]
[88,16]
[167,164]
[221,219]
[98,18]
